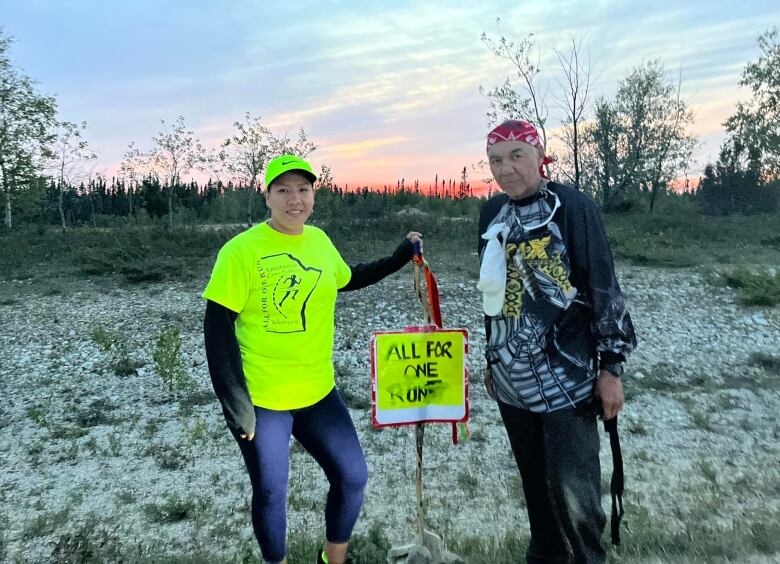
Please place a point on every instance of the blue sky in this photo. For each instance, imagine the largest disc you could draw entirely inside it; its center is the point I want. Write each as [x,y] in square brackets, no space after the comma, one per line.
[386,89]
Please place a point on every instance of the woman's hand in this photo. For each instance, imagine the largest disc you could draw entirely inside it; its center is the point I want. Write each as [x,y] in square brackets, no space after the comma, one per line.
[415,237]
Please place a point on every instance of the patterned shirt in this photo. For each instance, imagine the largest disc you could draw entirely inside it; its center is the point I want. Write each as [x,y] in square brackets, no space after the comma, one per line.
[562,307]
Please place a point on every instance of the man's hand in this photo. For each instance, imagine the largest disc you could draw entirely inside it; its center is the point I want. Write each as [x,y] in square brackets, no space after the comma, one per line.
[249,438]
[609,389]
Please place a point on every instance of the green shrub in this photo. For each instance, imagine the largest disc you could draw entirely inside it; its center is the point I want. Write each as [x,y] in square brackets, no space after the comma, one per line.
[117,347]
[103,338]
[169,365]
[755,288]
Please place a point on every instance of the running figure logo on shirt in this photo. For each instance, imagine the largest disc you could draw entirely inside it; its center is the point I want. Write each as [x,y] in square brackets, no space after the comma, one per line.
[286,285]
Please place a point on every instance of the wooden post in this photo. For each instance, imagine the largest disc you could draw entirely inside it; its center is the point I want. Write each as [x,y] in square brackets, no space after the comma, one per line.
[420,435]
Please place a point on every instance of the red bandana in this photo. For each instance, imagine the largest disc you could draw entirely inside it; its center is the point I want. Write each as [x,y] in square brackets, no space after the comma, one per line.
[518,130]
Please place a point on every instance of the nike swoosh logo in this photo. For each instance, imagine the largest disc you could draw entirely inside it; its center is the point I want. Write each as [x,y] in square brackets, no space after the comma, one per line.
[288,162]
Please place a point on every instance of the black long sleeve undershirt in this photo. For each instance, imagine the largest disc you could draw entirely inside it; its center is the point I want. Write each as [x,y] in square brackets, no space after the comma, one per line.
[224,356]
[225,367]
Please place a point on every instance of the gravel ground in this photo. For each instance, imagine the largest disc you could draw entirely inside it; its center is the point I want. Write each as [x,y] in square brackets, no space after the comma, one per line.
[80,444]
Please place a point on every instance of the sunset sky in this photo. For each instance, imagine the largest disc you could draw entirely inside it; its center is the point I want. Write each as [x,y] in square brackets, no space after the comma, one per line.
[388,90]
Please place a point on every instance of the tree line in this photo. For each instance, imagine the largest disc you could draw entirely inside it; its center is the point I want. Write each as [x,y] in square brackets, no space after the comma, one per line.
[626,151]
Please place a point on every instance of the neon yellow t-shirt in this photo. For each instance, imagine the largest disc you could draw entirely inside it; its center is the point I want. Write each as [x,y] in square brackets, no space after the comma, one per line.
[284,289]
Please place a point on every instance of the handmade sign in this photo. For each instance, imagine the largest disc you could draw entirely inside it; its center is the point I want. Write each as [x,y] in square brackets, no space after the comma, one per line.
[419,375]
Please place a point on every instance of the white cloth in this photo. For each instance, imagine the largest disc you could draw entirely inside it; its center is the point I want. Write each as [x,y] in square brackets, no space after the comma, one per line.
[492,272]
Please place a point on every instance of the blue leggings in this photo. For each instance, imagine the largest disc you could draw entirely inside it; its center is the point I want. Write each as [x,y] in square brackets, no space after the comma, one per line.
[326,431]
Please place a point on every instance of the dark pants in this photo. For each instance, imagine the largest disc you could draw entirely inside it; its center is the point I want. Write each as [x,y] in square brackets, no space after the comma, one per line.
[326,431]
[558,457]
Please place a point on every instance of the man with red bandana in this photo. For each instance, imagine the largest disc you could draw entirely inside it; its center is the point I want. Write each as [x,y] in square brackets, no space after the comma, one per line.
[557,333]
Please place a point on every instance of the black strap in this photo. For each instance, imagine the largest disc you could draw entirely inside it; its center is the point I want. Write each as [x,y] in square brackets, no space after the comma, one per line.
[616,484]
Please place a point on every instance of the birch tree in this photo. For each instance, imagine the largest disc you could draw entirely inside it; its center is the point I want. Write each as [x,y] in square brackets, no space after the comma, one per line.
[27,119]
[246,152]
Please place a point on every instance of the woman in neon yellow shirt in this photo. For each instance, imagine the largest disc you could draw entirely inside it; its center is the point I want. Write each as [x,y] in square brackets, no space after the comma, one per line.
[269,329]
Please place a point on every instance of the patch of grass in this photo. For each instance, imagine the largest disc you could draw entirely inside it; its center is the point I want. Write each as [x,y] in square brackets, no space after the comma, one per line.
[708,472]
[637,428]
[91,445]
[643,456]
[97,412]
[369,548]
[126,497]
[34,451]
[102,338]
[679,236]
[478,435]
[3,529]
[69,454]
[169,457]
[197,432]
[37,415]
[509,549]
[147,254]
[45,523]
[755,288]
[91,542]
[297,501]
[648,538]
[468,483]
[515,489]
[54,290]
[770,363]
[172,509]
[151,427]
[663,377]
[114,444]
[701,420]
[195,398]
[68,432]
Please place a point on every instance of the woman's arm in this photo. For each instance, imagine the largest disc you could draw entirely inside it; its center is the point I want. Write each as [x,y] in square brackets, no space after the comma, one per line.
[225,368]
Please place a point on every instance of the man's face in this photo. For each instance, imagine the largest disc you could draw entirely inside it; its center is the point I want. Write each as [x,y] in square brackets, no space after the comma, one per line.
[291,201]
[515,166]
